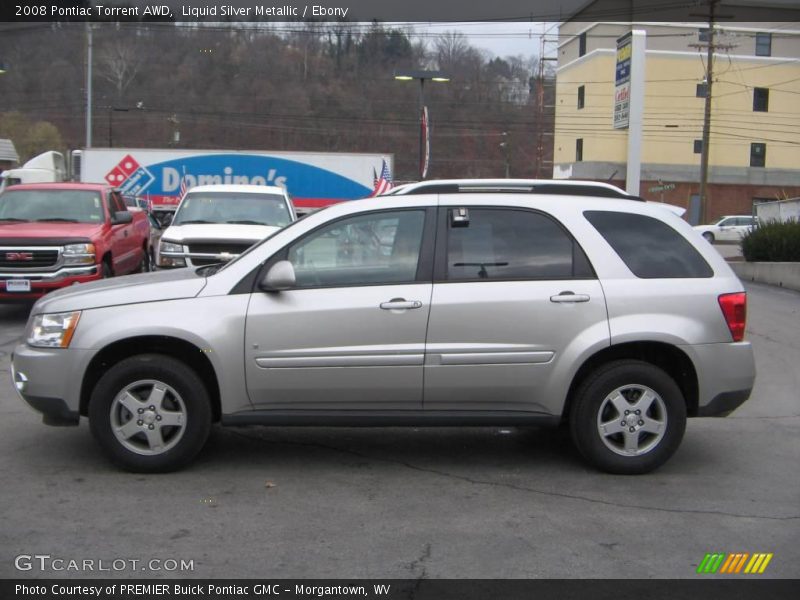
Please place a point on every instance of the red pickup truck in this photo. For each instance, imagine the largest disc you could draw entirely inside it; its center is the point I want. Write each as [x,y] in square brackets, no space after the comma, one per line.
[53,235]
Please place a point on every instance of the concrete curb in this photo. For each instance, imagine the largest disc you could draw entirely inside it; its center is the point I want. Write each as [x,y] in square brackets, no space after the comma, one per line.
[783,274]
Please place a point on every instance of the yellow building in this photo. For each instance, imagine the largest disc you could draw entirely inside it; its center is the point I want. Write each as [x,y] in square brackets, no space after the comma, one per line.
[754,150]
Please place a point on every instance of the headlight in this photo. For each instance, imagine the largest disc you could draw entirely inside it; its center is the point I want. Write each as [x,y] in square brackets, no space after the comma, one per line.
[54,330]
[170,261]
[79,254]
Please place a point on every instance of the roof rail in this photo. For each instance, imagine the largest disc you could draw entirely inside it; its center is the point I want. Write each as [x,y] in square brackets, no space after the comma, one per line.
[521,187]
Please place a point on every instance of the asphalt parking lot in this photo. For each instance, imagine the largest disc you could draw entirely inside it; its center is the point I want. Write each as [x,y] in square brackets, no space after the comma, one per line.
[410,503]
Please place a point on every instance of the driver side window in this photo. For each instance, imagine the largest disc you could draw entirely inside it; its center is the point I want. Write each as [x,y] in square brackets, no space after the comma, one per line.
[372,249]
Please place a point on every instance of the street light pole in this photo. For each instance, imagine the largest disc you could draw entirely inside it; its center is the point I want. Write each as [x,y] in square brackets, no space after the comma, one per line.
[111,111]
[89,85]
[424,134]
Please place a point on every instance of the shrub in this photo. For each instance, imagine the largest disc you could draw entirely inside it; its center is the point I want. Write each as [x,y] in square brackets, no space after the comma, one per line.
[773,242]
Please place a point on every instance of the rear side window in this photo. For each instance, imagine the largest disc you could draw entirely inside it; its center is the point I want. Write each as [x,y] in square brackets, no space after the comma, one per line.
[650,248]
[511,244]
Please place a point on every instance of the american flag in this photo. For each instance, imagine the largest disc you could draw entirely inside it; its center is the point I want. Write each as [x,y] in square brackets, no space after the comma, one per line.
[184,187]
[383,182]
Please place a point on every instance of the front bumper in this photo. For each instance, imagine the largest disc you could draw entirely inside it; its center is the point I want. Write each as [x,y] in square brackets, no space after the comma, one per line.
[42,283]
[44,379]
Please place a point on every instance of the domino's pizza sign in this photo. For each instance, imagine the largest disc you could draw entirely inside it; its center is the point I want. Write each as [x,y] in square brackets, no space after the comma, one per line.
[313,179]
[130,177]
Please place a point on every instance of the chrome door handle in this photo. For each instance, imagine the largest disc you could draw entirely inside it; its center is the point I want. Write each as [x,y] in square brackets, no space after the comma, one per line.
[400,303]
[569,297]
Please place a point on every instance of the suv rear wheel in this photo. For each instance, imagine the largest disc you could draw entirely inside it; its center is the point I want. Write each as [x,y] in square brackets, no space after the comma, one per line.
[150,413]
[628,417]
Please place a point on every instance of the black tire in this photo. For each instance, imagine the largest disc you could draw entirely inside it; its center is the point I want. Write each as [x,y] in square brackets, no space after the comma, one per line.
[106,270]
[709,237]
[633,380]
[144,264]
[184,395]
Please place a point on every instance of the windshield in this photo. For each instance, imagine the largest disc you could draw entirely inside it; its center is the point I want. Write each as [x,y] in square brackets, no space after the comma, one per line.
[74,206]
[223,266]
[235,208]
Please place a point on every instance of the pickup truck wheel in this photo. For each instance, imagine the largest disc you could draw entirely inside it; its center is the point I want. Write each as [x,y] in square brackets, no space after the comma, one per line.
[150,413]
[628,417]
[106,270]
[144,264]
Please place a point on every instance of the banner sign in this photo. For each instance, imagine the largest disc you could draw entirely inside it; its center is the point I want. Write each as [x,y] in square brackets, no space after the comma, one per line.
[622,82]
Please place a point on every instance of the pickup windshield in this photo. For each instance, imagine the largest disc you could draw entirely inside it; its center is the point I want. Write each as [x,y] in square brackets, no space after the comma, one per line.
[71,206]
[231,207]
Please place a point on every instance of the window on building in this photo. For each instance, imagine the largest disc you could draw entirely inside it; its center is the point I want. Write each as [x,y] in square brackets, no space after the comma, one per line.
[581,95]
[761,99]
[579,150]
[763,44]
[702,35]
[758,154]
[582,44]
[702,90]
[698,146]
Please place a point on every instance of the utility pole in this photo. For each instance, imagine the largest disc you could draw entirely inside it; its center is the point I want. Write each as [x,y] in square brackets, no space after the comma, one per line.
[707,114]
[711,46]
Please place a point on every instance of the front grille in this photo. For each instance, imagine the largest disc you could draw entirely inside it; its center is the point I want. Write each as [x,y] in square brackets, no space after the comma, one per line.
[218,248]
[215,248]
[28,259]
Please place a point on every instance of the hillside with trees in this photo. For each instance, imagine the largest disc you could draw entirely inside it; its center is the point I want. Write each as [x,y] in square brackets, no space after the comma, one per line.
[291,86]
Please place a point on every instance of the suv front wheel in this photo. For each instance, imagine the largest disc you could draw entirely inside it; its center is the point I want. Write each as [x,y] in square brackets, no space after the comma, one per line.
[628,417]
[150,413]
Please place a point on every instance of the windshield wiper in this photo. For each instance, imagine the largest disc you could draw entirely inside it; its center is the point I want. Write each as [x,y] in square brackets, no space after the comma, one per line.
[15,219]
[246,222]
[196,222]
[59,219]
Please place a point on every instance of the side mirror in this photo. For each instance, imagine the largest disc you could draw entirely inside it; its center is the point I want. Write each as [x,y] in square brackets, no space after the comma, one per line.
[279,277]
[122,216]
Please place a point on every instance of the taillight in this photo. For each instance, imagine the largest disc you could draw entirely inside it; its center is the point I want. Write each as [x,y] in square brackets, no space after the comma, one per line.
[734,308]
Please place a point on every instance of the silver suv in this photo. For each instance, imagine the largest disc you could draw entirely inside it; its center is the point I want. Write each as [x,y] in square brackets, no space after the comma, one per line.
[609,315]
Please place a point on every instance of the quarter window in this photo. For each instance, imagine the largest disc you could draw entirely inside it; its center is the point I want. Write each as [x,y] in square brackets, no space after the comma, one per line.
[372,249]
[650,248]
[512,244]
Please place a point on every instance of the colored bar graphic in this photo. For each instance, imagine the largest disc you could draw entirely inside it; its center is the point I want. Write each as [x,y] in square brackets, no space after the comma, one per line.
[732,563]
[741,562]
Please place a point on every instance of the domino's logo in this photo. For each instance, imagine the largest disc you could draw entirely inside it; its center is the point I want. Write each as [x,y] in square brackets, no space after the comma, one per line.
[130,176]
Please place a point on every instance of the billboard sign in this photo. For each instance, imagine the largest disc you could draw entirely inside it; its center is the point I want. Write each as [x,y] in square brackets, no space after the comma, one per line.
[622,82]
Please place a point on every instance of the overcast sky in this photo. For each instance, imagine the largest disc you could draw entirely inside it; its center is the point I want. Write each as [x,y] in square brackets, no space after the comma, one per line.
[501,39]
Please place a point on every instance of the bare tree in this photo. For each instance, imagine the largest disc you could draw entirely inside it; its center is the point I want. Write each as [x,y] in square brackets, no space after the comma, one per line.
[118,62]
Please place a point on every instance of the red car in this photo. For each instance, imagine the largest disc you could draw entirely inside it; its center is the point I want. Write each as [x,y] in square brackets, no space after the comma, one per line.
[53,235]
